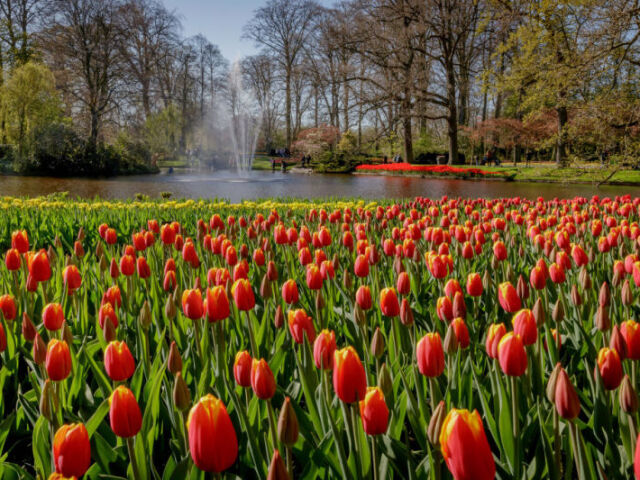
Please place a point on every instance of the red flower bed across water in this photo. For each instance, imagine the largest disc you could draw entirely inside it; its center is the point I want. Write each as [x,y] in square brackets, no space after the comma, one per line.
[408,167]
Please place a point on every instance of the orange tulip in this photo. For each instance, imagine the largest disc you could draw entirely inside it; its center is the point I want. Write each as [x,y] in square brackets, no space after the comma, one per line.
[494,335]
[524,324]
[127,265]
[389,304]
[430,355]
[107,311]
[8,307]
[38,265]
[20,241]
[314,277]
[324,348]
[474,285]
[512,355]
[242,368]
[12,260]
[262,381]
[72,450]
[53,317]
[630,331]
[71,278]
[290,292]
[465,448]
[192,305]
[300,324]
[508,298]
[444,309]
[212,439]
[124,413]
[58,360]
[217,304]
[243,294]
[374,412]
[610,368]
[118,361]
[349,377]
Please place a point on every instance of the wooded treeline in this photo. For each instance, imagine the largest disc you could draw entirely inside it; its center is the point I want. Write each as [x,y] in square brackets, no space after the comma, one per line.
[98,79]
[557,77]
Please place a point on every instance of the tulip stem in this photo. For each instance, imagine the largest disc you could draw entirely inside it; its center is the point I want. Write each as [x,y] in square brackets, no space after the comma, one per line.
[288,459]
[374,458]
[556,443]
[252,340]
[272,425]
[356,443]
[516,427]
[132,458]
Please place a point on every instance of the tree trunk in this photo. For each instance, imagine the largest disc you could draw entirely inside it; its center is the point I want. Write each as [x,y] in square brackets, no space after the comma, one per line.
[406,124]
[288,104]
[316,106]
[94,129]
[346,104]
[452,117]
[561,142]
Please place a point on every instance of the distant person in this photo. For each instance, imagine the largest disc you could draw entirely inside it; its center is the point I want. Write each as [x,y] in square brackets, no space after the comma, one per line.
[273,164]
[283,166]
[384,160]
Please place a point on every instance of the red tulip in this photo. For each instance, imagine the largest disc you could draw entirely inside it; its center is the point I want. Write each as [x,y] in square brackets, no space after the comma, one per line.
[290,292]
[58,361]
[142,268]
[363,297]
[374,412]
[212,439]
[20,241]
[170,282]
[12,260]
[444,309]
[124,413]
[38,265]
[107,311]
[461,332]
[3,339]
[389,303]
[474,285]
[118,361]
[494,335]
[217,304]
[361,266]
[8,307]
[111,236]
[324,348]
[508,298]
[430,355]
[556,273]
[192,305]
[524,324]
[242,368]
[349,377]
[127,265]
[262,381]
[243,294]
[167,234]
[499,250]
[403,284]
[566,398]
[512,355]
[300,324]
[610,368]
[72,450]
[53,317]
[465,448]
[630,331]
[71,278]
[314,277]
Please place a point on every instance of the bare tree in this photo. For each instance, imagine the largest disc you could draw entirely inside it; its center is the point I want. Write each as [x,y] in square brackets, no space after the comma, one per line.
[260,76]
[282,27]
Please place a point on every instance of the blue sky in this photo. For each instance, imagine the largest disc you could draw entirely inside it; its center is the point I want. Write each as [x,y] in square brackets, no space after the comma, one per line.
[221,21]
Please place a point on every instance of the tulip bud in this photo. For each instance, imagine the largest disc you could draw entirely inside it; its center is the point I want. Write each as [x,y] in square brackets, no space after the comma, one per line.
[103,263]
[288,429]
[320,303]
[181,393]
[174,361]
[618,276]
[628,396]
[144,318]
[81,234]
[450,341]
[28,328]
[99,250]
[265,287]
[486,280]
[385,382]
[435,424]
[377,343]
[279,317]
[51,253]
[566,398]
[67,335]
[109,331]
[604,298]
[39,350]
[602,321]
[618,343]
[47,398]
[277,468]
[57,242]
[558,312]
[538,313]
[170,309]
[626,294]
[585,279]
[406,314]
[398,266]
[346,280]
[576,299]
[522,288]
[551,384]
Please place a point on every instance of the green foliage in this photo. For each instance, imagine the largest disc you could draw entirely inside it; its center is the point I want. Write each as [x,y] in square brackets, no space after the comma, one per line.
[162,131]
[428,143]
[348,143]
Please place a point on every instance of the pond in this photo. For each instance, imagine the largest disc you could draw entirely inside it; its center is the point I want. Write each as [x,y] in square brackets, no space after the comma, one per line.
[228,185]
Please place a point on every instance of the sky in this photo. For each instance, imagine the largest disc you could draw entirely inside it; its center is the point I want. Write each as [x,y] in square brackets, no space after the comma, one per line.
[221,21]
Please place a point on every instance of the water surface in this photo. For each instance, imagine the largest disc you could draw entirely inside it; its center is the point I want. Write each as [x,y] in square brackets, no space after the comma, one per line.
[230,186]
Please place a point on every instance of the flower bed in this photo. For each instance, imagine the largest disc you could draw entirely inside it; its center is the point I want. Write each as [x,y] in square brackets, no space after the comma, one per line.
[432,169]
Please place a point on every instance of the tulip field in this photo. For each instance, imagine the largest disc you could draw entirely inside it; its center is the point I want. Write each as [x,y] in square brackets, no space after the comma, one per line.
[420,339]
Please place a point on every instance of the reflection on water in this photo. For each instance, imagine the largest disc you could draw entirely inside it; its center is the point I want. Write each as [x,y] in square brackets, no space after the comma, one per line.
[228,185]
